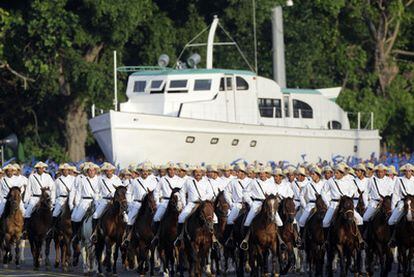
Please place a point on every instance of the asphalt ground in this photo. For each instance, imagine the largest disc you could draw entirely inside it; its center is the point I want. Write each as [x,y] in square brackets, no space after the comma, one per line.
[26,268]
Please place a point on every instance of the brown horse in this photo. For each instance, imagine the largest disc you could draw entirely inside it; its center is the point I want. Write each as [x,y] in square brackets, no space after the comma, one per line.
[405,238]
[343,237]
[221,209]
[314,238]
[62,238]
[263,238]
[11,226]
[38,227]
[198,238]
[238,255]
[112,227]
[287,212]
[142,234]
[378,239]
[168,232]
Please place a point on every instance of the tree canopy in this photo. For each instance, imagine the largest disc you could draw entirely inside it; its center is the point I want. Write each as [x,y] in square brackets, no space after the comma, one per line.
[56,58]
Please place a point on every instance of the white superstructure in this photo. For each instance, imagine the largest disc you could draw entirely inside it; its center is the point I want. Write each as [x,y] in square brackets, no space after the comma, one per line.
[218,115]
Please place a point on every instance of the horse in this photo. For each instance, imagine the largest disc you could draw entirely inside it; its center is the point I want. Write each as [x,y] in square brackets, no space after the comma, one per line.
[287,212]
[11,228]
[38,227]
[142,234]
[343,237]
[62,237]
[112,227]
[198,238]
[314,238]
[404,237]
[239,256]
[263,238]
[221,209]
[87,247]
[168,232]
[378,239]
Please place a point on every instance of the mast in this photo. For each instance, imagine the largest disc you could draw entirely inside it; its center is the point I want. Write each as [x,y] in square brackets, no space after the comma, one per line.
[210,43]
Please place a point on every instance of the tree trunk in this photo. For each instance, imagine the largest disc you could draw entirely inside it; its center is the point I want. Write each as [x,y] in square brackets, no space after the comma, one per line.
[76,130]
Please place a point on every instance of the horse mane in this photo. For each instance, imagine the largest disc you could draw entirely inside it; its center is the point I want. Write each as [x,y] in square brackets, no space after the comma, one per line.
[7,208]
[221,193]
[144,204]
[170,203]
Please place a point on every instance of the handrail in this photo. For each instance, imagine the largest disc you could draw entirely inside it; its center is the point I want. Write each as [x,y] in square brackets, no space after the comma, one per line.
[140,68]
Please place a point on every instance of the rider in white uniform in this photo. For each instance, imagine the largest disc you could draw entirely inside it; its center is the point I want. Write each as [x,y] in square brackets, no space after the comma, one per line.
[217,184]
[378,187]
[8,181]
[403,187]
[297,187]
[194,190]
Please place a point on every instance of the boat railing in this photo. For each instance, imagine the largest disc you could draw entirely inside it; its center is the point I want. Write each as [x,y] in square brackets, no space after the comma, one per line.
[140,68]
[361,120]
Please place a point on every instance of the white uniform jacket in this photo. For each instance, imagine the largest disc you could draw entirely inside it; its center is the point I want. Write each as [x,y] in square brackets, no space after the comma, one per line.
[33,192]
[64,187]
[6,184]
[86,192]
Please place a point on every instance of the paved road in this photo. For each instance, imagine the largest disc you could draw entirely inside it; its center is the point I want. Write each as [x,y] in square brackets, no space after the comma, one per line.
[26,269]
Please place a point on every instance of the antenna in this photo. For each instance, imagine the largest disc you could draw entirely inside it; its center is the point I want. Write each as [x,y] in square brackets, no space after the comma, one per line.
[115,84]
[254,35]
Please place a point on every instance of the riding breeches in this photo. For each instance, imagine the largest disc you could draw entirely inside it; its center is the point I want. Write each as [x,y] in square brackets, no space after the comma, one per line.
[58,207]
[397,213]
[331,211]
[305,214]
[254,210]
[79,211]
[30,206]
[187,211]
[3,205]
[162,207]
[234,213]
[132,212]
[371,210]
[100,207]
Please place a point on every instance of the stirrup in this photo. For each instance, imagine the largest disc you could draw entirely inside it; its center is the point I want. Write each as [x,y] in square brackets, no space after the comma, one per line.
[178,241]
[244,245]
[94,237]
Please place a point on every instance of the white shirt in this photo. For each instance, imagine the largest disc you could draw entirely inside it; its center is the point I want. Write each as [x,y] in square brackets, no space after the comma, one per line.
[6,184]
[64,185]
[334,189]
[36,183]
[284,189]
[297,188]
[400,190]
[380,187]
[107,186]
[87,188]
[141,186]
[217,185]
[310,191]
[258,189]
[196,191]
[164,186]
[234,190]
[362,185]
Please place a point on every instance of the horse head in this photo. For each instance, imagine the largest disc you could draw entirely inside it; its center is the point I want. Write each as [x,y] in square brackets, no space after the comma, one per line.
[45,198]
[175,203]
[206,214]
[346,208]
[270,207]
[119,200]
[149,201]
[386,206]
[409,207]
[320,204]
[288,210]
[14,198]
[221,206]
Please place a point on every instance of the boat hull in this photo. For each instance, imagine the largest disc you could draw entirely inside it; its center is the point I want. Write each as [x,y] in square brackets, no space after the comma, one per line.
[129,138]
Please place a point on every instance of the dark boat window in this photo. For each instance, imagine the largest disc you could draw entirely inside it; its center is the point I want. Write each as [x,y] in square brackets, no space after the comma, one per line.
[228,83]
[270,107]
[336,125]
[241,84]
[156,84]
[139,86]
[178,84]
[304,108]
[202,84]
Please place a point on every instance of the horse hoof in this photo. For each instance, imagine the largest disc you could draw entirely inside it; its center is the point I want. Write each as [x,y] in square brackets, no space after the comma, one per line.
[56,265]
[5,266]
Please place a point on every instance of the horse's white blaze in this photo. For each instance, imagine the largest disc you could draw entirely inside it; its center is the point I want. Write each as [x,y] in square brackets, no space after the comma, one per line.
[410,211]
[180,204]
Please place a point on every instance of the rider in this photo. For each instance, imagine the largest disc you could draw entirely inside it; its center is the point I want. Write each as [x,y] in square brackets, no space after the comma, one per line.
[254,195]
[217,184]
[162,194]
[37,180]
[194,190]
[308,196]
[403,187]
[107,184]
[378,187]
[332,192]
[140,187]
[361,183]
[8,181]
[226,170]
[64,186]
[86,191]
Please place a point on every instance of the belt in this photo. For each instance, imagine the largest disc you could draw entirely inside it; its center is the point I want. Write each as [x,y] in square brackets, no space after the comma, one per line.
[257,199]
[36,195]
[196,202]
[335,200]
[166,198]
[107,198]
[87,197]
[312,201]
[297,200]
[356,198]
[63,196]
[136,200]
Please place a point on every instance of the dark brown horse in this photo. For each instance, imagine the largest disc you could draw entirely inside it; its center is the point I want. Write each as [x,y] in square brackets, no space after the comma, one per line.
[62,237]
[314,238]
[38,227]
[142,235]
[343,237]
[263,238]
[221,209]
[198,238]
[239,256]
[11,226]
[379,237]
[112,227]
[168,232]
[405,238]
[287,212]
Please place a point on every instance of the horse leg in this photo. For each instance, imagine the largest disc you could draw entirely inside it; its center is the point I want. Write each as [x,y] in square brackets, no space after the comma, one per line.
[48,240]
[115,255]
[57,251]
[17,253]
[108,254]
[98,253]
[7,250]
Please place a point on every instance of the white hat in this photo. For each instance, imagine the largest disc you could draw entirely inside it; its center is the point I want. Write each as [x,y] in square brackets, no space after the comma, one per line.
[240,167]
[317,170]
[182,166]
[212,168]
[370,166]
[327,168]
[289,170]
[90,165]
[361,167]
[380,167]
[278,171]
[147,166]
[64,166]
[197,167]
[17,166]
[391,169]
[170,165]
[9,167]
[406,167]
[250,168]
[126,171]
[40,164]
[300,171]
[340,168]
[345,165]
[227,167]
[107,166]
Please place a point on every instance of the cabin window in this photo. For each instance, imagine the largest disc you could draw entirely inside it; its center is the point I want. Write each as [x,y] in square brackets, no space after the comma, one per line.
[235,142]
[202,84]
[336,125]
[190,139]
[139,86]
[229,83]
[157,86]
[269,107]
[178,86]
[302,108]
[241,84]
[214,140]
[286,105]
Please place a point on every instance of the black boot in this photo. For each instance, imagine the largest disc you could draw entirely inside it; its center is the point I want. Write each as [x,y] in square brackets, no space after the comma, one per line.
[53,228]
[180,233]
[302,235]
[228,235]
[393,242]
[282,244]
[326,235]
[75,231]
[361,241]
[244,245]
[25,228]
[94,238]
[156,230]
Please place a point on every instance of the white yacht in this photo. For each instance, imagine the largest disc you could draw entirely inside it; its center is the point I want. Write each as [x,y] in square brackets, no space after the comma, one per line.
[213,115]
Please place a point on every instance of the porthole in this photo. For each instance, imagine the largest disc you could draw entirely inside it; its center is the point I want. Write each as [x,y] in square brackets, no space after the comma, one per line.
[214,140]
[253,143]
[235,142]
[190,139]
